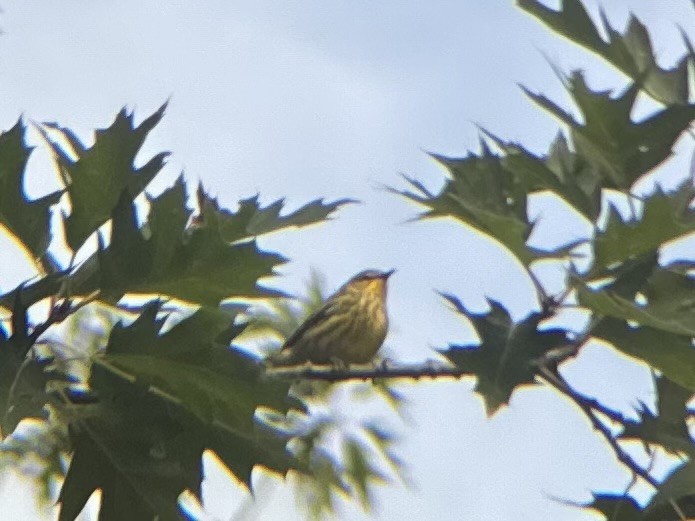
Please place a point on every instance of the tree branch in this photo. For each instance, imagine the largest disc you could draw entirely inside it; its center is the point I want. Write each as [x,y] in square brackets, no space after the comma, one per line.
[60,313]
[329,373]
[591,408]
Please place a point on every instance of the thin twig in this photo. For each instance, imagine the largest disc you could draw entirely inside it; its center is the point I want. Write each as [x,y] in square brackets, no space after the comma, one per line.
[677,509]
[590,408]
[13,388]
[58,314]
[544,299]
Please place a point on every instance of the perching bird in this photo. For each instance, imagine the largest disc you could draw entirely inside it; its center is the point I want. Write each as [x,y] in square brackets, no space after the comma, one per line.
[348,329]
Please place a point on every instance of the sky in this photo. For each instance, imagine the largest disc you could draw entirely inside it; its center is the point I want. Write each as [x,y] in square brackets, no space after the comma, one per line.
[336,99]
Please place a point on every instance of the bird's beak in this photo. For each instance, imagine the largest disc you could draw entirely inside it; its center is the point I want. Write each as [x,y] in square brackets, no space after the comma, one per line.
[387,274]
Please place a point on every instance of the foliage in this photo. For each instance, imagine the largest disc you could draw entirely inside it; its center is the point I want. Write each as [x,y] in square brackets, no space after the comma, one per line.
[133,402]
[634,302]
[128,397]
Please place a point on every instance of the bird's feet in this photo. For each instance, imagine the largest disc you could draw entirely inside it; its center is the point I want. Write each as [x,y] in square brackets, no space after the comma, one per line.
[339,365]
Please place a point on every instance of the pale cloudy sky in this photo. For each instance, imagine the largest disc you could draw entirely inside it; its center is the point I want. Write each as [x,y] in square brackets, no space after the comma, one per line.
[333,99]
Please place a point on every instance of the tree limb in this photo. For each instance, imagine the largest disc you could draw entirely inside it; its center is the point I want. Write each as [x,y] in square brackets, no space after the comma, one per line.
[329,373]
[591,409]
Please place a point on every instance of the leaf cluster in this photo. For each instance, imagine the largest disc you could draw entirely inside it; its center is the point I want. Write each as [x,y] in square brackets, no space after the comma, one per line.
[135,403]
[640,306]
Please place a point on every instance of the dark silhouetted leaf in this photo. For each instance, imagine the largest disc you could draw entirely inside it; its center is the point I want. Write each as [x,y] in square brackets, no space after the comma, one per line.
[619,149]
[27,221]
[562,172]
[666,216]
[191,368]
[616,508]
[679,488]
[251,219]
[133,449]
[484,195]
[165,257]
[630,52]
[668,425]
[670,353]
[162,400]
[101,173]
[22,385]
[507,352]
[33,292]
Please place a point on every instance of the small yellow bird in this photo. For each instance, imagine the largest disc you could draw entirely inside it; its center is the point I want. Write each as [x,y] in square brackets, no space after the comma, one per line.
[348,329]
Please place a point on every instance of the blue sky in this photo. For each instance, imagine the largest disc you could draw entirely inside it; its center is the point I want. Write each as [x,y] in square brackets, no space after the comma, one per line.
[333,99]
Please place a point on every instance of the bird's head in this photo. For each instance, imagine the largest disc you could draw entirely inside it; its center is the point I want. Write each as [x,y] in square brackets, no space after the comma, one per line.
[369,281]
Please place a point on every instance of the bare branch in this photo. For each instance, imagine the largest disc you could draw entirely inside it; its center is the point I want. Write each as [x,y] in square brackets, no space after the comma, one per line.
[591,409]
[330,373]
[60,313]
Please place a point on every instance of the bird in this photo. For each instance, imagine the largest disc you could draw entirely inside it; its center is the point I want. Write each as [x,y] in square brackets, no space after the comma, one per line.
[348,329]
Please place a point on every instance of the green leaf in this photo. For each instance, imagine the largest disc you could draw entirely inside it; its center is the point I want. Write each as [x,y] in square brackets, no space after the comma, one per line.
[678,487]
[631,276]
[484,195]
[23,376]
[251,219]
[131,448]
[209,378]
[192,368]
[165,257]
[670,353]
[668,427]
[100,174]
[164,398]
[507,353]
[28,221]
[562,172]
[666,216]
[616,507]
[630,52]
[619,149]
[670,303]
[360,470]
[22,386]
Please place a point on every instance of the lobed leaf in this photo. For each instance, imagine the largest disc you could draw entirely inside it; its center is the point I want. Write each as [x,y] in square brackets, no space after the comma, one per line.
[667,426]
[630,52]
[666,216]
[164,398]
[618,149]
[131,448]
[28,221]
[671,353]
[193,263]
[102,173]
[251,219]
[507,354]
[562,172]
[22,384]
[483,194]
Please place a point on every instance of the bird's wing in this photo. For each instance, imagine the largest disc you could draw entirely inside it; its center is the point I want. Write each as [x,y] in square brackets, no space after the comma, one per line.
[310,322]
